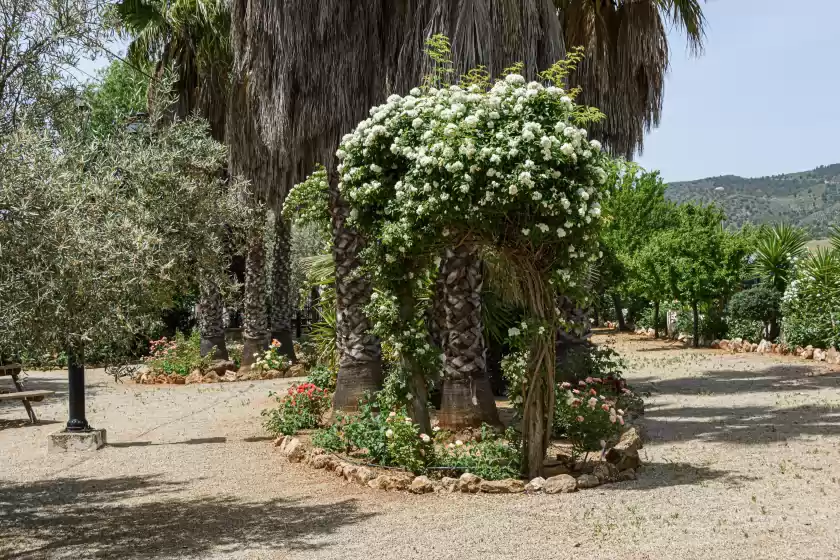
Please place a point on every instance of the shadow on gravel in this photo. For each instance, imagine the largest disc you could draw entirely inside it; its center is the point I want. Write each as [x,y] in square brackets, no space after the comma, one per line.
[772,379]
[24,423]
[663,475]
[748,425]
[194,441]
[82,518]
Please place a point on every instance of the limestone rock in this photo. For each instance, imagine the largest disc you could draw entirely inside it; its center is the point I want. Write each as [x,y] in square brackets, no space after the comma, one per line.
[421,485]
[628,460]
[715,345]
[293,449]
[399,481]
[536,484]
[194,377]
[560,484]
[211,377]
[628,474]
[349,472]
[553,468]
[807,352]
[832,356]
[819,355]
[319,461]
[724,344]
[449,484]
[279,441]
[506,486]
[219,367]
[587,481]
[378,483]
[605,472]
[468,482]
[630,441]
[363,475]
[765,347]
[230,375]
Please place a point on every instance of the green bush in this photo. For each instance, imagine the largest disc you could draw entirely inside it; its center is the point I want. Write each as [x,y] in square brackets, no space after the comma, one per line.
[179,355]
[589,419]
[302,407]
[492,458]
[323,377]
[811,304]
[745,329]
[759,303]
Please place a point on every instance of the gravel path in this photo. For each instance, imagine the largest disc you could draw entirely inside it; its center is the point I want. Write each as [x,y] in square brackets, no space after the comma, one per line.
[743,464]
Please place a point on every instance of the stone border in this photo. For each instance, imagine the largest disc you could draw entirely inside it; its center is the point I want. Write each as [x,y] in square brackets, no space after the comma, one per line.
[151,378]
[625,454]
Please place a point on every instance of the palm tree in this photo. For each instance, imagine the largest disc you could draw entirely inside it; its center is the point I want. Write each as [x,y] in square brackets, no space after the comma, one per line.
[626,60]
[193,37]
[282,306]
[778,249]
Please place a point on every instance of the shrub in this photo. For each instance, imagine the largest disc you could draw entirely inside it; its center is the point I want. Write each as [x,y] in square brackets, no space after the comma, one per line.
[811,304]
[180,355]
[389,439]
[588,419]
[744,328]
[272,359]
[491,458]
[759,303]
[323,377]
[300,408]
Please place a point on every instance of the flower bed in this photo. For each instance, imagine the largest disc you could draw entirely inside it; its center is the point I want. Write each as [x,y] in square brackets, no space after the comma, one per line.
[619,463]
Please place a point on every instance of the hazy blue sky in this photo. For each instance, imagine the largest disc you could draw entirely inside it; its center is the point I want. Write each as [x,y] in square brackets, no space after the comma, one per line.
[763,99]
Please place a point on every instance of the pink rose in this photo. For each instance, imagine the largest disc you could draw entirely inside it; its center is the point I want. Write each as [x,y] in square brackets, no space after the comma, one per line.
[590,380]
[579,418]
[575,391]
[582,383]
[565,385]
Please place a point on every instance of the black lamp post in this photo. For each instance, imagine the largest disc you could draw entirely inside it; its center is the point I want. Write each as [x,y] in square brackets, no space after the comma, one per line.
[76,390]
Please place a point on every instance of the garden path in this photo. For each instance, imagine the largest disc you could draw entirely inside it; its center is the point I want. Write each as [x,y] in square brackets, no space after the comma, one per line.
[743,464]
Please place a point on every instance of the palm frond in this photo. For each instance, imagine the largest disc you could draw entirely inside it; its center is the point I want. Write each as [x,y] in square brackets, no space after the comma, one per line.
[319,269]
[835,239]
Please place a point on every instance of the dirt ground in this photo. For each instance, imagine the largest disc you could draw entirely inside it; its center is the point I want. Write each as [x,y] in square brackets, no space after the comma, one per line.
[743,463]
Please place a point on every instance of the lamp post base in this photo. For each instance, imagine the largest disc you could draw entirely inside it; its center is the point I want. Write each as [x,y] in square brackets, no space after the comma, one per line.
[76,442]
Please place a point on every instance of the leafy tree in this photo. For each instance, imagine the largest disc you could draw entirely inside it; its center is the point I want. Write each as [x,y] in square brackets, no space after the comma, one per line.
[118,98]
[96,237]
[40,42]
[706,261]
[650,279]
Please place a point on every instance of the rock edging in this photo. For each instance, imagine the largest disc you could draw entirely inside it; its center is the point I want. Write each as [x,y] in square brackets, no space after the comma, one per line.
[621,464]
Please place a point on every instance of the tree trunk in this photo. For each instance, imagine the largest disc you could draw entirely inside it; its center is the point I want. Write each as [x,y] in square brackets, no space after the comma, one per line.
[360,360]
[255,328]
[282,308]
[77,421]
[467,399]
[656,319]
[417,379]
[618,314]
[696,324]
[211,321]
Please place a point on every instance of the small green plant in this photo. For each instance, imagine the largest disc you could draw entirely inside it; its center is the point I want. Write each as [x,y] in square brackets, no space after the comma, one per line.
[588,419]
[323,377]
[180,355]
[494,457]
[302,407]
[272,359]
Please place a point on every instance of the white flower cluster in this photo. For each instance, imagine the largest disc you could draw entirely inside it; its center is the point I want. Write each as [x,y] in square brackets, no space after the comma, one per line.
[507,163]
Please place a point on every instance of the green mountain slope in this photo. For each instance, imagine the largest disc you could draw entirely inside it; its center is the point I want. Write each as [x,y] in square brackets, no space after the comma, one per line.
[809,199]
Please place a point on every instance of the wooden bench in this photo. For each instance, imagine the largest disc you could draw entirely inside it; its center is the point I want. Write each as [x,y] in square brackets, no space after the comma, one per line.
[13,370]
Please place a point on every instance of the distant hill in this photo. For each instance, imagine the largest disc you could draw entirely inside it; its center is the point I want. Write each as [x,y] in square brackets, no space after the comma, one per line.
[809,199]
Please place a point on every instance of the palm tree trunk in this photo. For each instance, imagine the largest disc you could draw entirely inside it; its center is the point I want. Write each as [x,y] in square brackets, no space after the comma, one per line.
[211,326]
[282,309]
[255,320]
[619,315]
[360,360]
[696,323]
[467,399]
[656,319]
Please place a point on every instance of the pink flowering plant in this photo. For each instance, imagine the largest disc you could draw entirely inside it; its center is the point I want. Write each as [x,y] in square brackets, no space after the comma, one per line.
[302,407]
[180,355]
[589,419]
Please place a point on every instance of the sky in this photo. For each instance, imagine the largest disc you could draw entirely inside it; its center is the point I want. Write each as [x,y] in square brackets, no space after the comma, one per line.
[763,99]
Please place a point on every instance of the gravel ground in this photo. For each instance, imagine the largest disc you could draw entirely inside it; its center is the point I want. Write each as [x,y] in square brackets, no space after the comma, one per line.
[743,464]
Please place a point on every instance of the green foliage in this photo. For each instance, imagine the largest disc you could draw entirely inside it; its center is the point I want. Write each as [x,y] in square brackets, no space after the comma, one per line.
[776,252]
[323,377]
[181,355]
[118,99]
[809,200]
[97,236]
[746,329]
[301,408]
[811,304]
[308,203]
[586,417]
[272,359]
[492,457]
[387,438]
[759,303]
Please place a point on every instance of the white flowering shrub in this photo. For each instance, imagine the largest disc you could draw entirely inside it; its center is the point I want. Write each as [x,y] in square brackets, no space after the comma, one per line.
[811,303]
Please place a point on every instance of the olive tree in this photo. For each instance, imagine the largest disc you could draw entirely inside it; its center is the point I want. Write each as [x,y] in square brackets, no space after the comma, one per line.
[98,236]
